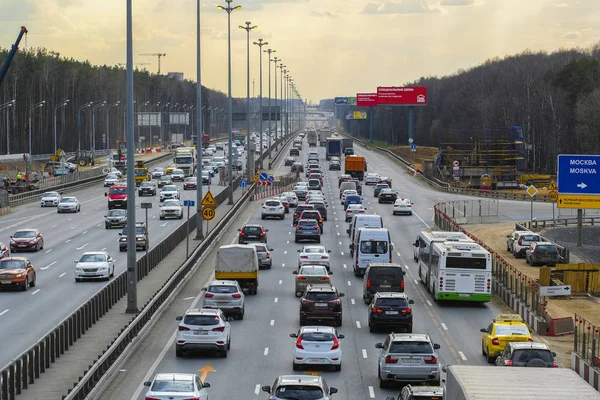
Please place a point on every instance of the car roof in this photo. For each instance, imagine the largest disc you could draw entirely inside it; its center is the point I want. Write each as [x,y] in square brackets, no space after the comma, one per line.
[315,328]
[26,230]
[300,380]
[252,226]
[320,288]
[202,311]
[391,295]
[529,345]
[174,377]
[94,252]
[414,337]
[222,283]
[544,243]
[15,258]
[431,390]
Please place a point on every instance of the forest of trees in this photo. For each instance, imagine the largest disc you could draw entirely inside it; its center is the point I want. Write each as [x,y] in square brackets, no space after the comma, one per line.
[40,75]
[554,97]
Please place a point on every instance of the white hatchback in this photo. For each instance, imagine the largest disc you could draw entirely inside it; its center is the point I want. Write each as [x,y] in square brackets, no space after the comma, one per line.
[273,209]
[314,255]
[317,345]
[354,209]
[402,206]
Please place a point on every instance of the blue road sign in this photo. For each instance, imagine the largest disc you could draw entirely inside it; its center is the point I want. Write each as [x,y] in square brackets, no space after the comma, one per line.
[243,183]
[413,146]
[341,100]
[578,174]
[263,176]
[271,178]
[189,203]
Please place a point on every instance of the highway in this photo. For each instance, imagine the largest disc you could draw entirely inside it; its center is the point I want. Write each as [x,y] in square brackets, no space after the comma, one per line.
[29,315]
[261,348]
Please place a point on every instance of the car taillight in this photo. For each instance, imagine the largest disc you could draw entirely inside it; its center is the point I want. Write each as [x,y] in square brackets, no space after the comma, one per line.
[262,234]
[267,255]
[209,295]
[219,329]
[368,283]
[324,257]
[316,227]
[264,206]
[407,310]
[530,340]
[361,211]
[520,242]
[183,328]
[430,360]
[280,206]
[402,284]
[390,360]
[554,364]
[241,233]
[236,296]
[508,363]
[338,301]
[304,257]
[151,398]
[336,344]
[376,310]
[495,342]
[305,301]
[325,278]
[301,278]
[299,344]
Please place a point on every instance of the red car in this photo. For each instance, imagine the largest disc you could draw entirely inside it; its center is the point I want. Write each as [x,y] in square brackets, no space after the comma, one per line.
[26,240]
[190,183]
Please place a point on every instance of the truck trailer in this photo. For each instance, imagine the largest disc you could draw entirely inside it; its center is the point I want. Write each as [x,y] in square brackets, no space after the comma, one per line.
[323,135]
[185,159]
[311,138]
[476,382]
[334,147]
[355,166]
[347,146]
[238,262]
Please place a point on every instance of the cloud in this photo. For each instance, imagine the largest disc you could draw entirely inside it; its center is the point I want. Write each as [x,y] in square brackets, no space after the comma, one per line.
[247,5]
[17,11]
[322,14]
[452,3]
[572,35]
[399,7]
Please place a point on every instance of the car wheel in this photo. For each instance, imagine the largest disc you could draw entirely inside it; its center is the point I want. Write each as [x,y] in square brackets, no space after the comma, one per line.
[408,329]
[295,240]
[262,217]
[78,209]
[112,274]
[161,217]
[32,283]
[241,315]
[318,240]
[181,216]
[302,321]
[382,384]
[223,354]
[26,285]
[106,226]
[372,328]
[295,366]
[77,280]
[337,368]
[339,322]
[178,351]
[229,344]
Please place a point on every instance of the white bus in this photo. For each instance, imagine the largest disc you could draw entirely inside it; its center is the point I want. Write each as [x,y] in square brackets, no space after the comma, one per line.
[424,239]
[457,270]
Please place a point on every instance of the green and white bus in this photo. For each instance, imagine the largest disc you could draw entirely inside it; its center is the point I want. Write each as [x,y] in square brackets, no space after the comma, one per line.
[425,238]
[457,270]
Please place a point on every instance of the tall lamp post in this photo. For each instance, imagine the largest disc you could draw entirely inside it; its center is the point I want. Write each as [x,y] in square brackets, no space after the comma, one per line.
[281,74]
[199,131]
[250,167]
[64,103]
[37,105]
[7,106]
[93,138]
[276,60]
[270,51]
[108,123]
[79,118]
[229,9]
[260,44]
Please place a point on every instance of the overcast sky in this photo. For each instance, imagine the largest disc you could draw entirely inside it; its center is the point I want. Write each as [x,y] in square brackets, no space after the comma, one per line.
[331,47]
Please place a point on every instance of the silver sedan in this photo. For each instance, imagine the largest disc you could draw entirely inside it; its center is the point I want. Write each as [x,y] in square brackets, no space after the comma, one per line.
[68,204]
[309,275]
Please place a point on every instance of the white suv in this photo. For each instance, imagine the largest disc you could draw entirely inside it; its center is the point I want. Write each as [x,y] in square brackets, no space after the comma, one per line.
[203,329]
[169,192]
[272,208]
[519,241]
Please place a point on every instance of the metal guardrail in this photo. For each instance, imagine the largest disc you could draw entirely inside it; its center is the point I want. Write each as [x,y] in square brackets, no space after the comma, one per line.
[27,367]
[46,157]
[586,341]
[553,223]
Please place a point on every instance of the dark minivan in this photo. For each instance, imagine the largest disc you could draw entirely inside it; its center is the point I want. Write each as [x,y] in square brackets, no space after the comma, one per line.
[321,207]
[382,277]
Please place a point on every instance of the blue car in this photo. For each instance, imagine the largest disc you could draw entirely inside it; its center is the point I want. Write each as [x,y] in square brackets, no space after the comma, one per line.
[352,199]
[379,187]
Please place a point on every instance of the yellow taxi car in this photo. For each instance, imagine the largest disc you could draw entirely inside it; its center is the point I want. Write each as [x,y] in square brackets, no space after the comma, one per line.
[504,329]
[170,168]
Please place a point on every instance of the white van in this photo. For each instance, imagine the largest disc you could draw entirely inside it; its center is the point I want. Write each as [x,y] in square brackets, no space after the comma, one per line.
[373,245]
[360,221]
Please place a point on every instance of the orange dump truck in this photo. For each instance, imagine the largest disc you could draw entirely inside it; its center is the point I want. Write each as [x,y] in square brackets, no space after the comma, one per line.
[355,166]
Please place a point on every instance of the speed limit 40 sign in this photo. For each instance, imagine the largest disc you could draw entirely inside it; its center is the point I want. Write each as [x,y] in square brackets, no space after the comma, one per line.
[208,213]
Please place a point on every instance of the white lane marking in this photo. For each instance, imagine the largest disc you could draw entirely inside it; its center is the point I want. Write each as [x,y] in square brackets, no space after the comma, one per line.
[103,249]
[276,299]
[444,326]
[69,219]
[416,282]
[63,274]
[424,223]
[288,242]
[371,392]
[462,355]
[165,224]
[338,234]
[4,312]
[48,266]
[334,213]
[289,233]
[189,298]
[349,283]
[54,226]
[257,389]
[280,281]
[272,322]
[72,227]
[337,226]
[48,251]
[352,301]
[266,352]
[364,353]
[283,265]
[335,218]
[35,292]
[345,266]
[84,232]
[358,324]
[79,248]
[341,253]
[399,255]
[340,243]
[429,303]
[285,252]
[67,241]
[98,225]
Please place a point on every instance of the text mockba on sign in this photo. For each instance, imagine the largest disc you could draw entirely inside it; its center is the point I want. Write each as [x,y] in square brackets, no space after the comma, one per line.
[366,99]
[399,95]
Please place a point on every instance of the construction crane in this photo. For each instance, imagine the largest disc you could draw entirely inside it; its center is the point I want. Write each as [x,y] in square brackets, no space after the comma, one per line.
[11,55]
[124,64]
[159,55]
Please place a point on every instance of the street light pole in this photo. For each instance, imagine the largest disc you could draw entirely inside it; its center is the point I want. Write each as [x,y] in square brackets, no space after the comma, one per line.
[228,9]
[93,138]
[64,103]
[86,105]
[260,44]
[199,220]
[250,154]
[282,72]
[276,60]
[108,123]
[269,51]
[37,105]
[7,106]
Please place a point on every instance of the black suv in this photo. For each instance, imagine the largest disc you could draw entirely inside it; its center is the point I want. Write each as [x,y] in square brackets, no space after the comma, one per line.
[298,211]
[141,237]
[252,233]
[410,392]
[343,178]
[294,151]
[387,196]
[527,354]
[147,187]
[390,309]
[321,302]
[313,214]
[321,207]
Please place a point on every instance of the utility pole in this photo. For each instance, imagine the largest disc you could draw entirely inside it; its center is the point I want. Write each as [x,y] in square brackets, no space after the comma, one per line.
[250,152]
[260,44]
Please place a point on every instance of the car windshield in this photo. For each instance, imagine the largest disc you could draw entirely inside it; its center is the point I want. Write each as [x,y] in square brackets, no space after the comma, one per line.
[177,172]
[530,238]
[50,194]
[508,330]
[92,258]
[68,200]
[169,189]
[299,392]
[119,190]
[111,177]
[466,262]
[183,160]
[391,303]
[24,234]
[321,296]
[545,248]
[252,230]
[165,178]
[12,264]
[352,197]
[261,248]
[410,347]
[201,320]
[317,336]
[373,247]
[171,203]
[353,207]
[310,215]
[316,270]
[172,386]
[349,192]
[272,203]
[147,184]
[530,354]
[222,289]
[313,250]
[116,213]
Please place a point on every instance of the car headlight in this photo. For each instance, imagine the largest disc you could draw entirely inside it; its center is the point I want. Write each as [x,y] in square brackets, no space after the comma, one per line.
[123,239]
[139,239]
[32,242]
[22,274]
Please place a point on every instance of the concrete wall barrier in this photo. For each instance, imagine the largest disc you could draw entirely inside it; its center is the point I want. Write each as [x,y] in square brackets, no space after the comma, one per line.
[561,326]
[585,370]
